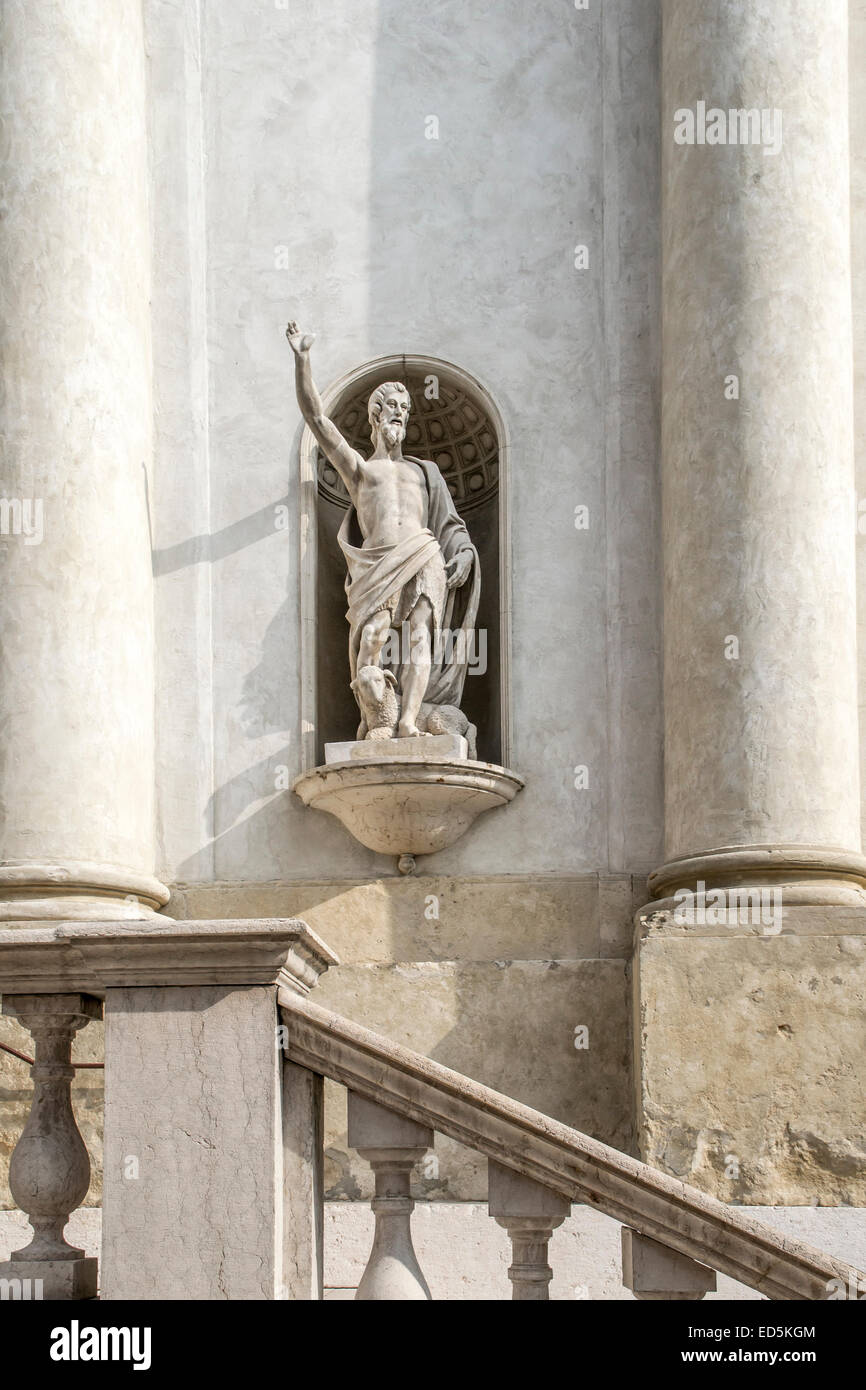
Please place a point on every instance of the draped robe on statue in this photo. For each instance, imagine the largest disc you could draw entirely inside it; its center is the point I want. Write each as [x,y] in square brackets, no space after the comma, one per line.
[376,575]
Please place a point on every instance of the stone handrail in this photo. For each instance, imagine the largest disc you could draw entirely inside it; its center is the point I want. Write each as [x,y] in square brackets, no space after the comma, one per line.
[560,1159]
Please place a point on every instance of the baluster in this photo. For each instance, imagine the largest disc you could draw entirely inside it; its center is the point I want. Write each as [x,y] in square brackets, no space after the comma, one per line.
[50,1169]
[529,1213]
[392,1146]
[654,1272]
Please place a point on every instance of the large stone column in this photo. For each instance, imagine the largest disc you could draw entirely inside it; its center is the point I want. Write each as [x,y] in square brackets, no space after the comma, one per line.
[761,723]
[742,1018]
[76,639]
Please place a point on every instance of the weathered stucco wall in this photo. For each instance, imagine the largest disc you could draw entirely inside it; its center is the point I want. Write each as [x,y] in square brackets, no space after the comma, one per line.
[323,199]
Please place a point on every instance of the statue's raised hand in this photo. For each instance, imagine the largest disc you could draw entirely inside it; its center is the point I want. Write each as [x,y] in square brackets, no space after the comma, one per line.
[299,342]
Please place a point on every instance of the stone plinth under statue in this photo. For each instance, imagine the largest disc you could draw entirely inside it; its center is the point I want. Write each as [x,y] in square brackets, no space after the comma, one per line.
[446,746]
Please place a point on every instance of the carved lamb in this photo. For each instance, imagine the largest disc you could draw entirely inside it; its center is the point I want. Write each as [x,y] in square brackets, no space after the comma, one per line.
[376,692]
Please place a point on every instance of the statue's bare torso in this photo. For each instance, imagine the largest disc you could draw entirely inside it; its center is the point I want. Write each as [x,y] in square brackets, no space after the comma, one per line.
[390,497]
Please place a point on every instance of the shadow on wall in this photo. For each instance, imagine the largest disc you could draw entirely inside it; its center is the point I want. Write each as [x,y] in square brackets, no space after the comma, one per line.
[266,703]
[204,550]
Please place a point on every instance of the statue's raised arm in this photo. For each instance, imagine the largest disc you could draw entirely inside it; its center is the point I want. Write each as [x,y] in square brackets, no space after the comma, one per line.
[340,453]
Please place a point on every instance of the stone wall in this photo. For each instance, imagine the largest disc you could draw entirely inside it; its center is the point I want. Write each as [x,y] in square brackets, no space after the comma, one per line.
[323,200]
[494,977]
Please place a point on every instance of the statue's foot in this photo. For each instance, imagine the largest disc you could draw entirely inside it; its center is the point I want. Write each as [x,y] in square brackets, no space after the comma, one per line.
[405,729]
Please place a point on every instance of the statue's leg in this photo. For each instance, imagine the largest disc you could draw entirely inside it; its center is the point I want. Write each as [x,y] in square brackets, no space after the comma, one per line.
[416,672]
[373,638]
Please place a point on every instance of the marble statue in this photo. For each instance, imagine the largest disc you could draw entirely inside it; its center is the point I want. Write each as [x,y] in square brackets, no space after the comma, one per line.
[411,565]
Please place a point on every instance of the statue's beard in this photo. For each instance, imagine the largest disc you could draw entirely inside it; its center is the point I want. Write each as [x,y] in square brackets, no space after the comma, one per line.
[393,434]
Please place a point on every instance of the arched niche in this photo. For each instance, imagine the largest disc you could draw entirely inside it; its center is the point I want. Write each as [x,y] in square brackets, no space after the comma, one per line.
[455,422]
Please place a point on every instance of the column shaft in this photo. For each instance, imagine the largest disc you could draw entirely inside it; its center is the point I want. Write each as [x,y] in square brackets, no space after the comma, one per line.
[76,632]
[761,722]
[745,972]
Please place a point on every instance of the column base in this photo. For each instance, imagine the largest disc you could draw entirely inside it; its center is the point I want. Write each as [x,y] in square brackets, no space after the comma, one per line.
[748,1054]
[62,1280]
[805,874]
[78,891]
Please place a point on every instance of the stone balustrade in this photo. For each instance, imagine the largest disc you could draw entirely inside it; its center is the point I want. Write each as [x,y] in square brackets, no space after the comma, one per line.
[213,1187]
[675,1237]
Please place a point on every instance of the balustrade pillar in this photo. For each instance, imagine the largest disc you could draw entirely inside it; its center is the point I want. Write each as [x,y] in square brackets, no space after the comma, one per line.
[654,1272]
[50,1169]
[530,1214]
[392,1146]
